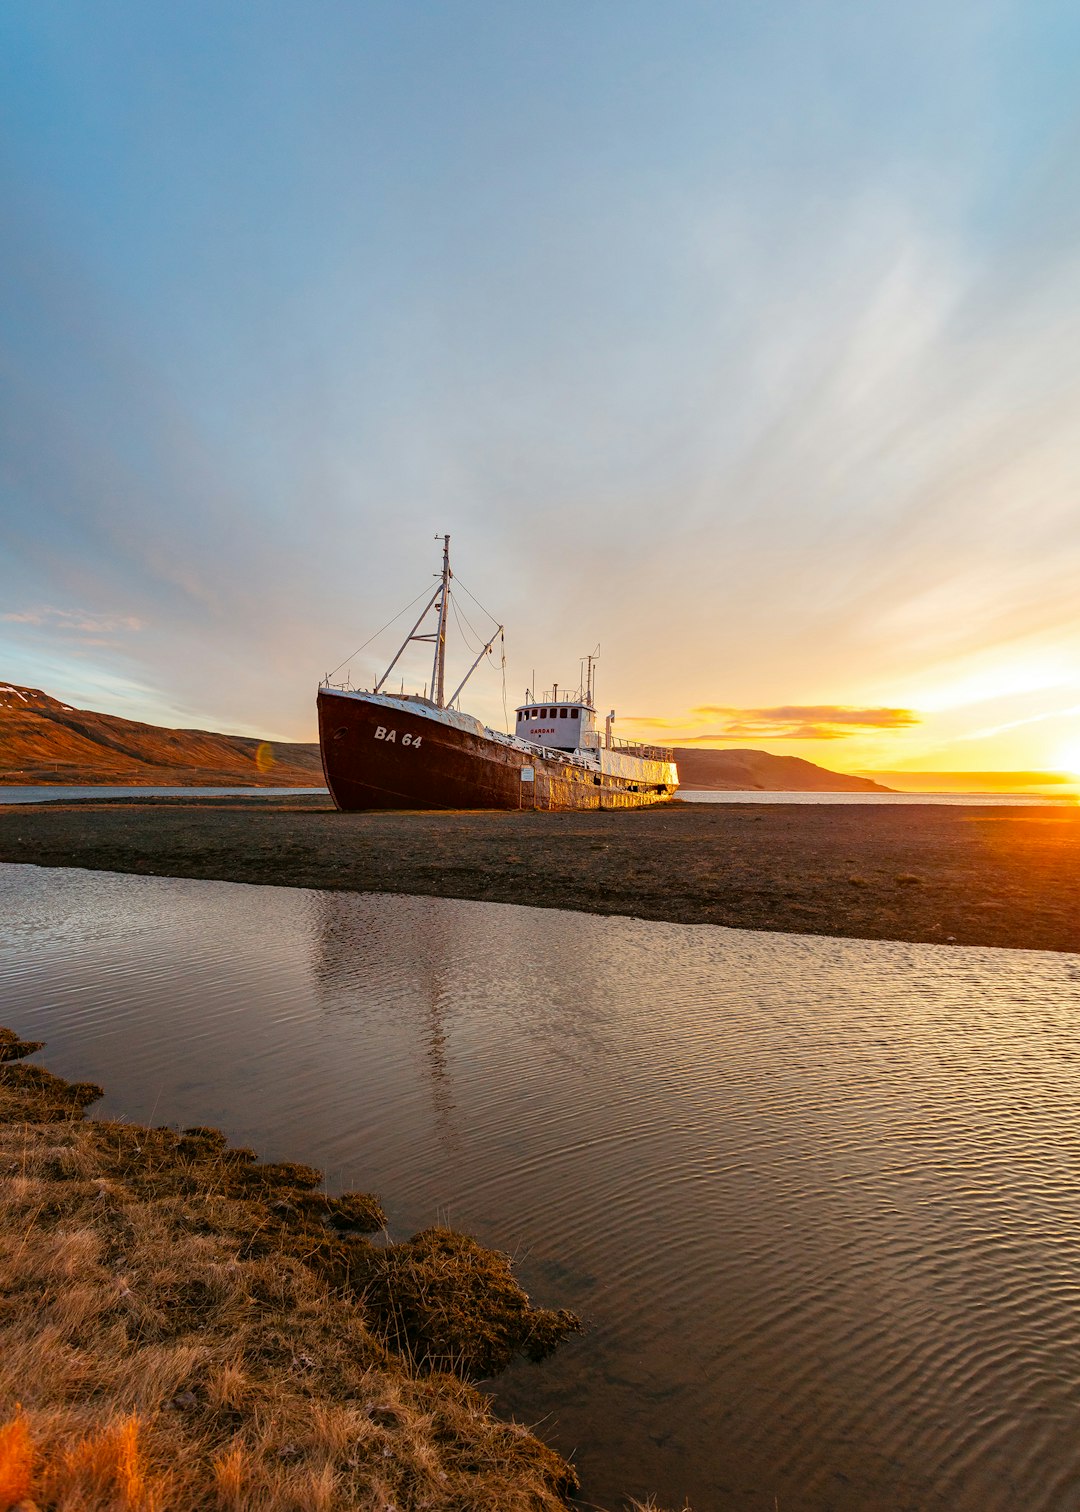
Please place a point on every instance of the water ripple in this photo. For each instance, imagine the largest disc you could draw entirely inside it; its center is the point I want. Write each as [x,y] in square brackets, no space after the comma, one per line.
[819,1199]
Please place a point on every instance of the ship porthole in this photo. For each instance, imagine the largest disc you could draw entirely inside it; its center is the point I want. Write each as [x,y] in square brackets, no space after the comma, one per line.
[341,732]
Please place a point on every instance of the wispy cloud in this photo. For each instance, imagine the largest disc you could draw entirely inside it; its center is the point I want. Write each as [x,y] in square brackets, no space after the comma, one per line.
[74,621]
[832,448]
[1017,724]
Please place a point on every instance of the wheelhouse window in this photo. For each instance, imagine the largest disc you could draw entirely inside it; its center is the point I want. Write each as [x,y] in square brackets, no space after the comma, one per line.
[563,713]
[575,713]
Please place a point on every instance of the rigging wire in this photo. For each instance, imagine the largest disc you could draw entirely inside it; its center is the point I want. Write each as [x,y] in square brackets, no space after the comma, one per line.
[506,714]
[458,617]
[472,627]
[370,638]
[461,615]
[476,601]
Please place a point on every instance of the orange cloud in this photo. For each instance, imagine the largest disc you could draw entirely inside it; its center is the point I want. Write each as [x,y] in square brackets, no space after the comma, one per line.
[801,721]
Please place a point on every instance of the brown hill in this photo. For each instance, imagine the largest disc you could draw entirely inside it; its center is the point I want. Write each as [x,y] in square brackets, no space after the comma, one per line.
[757,770]
[44,741]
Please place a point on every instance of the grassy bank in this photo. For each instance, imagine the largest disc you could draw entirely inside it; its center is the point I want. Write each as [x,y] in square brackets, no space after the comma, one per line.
[183,1327]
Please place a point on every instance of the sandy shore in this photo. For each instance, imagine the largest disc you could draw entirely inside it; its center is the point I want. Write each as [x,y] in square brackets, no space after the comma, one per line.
[974,876]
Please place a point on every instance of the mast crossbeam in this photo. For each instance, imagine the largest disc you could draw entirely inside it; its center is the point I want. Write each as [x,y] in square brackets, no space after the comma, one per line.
[438,601]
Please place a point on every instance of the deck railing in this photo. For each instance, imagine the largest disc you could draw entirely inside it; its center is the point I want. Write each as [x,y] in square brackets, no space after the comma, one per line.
[597,740]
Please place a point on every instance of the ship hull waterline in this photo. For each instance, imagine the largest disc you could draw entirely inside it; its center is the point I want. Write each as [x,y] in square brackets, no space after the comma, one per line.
[375,757]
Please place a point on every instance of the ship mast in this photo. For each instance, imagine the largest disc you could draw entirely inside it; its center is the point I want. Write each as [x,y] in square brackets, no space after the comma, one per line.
[438,666]
[439,601]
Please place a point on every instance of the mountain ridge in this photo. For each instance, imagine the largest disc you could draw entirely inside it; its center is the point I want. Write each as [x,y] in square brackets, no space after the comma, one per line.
[44,741]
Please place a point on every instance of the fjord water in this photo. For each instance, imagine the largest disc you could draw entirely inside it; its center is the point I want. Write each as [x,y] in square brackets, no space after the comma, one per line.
[819,1199]
[1065,798]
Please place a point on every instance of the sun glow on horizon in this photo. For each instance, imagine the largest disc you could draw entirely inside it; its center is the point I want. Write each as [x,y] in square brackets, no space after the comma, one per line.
[1015,736]
[1068,759]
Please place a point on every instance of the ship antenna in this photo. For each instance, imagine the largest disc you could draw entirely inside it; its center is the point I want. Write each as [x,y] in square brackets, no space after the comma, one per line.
[592,657]
[438,669]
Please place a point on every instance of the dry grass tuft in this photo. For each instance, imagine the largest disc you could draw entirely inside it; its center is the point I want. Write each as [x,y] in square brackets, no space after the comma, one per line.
[16,1461]
[105,1469]
[183,1328]
[13,1048]
[456,1306]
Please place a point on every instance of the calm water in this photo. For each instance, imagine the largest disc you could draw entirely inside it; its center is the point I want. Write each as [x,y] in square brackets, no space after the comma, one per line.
[819,1199]
[964,800]
[67,794]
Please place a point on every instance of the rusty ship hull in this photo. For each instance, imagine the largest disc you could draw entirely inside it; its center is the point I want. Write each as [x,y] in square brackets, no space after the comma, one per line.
[380,752]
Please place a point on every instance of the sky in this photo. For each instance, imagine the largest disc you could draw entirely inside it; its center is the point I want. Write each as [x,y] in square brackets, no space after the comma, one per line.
[742,340]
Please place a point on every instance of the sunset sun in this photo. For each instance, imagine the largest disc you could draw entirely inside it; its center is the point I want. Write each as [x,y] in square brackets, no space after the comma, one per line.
[1068,758]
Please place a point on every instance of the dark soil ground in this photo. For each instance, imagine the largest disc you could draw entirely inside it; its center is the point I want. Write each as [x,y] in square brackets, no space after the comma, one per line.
[971,876]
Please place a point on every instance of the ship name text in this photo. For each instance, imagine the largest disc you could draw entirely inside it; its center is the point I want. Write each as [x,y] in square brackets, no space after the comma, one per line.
[382,733]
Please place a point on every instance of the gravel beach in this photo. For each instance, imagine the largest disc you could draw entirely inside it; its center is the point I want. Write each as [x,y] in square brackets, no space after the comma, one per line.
[967,875]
